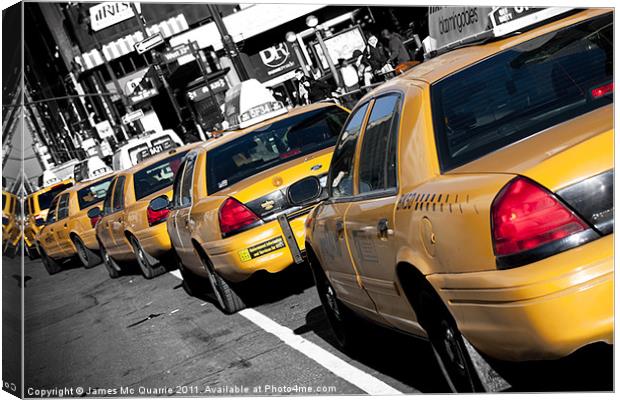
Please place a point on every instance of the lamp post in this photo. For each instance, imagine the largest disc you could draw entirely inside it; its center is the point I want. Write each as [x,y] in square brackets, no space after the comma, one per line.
[291,37]
[313,23]
[229,44]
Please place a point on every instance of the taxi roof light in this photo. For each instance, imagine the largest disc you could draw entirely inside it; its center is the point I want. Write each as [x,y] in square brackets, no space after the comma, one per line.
[234,216]
[526,216]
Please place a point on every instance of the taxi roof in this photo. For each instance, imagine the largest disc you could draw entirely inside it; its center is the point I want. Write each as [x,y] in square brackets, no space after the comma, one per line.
[443,65]
[158,157]
[232,135]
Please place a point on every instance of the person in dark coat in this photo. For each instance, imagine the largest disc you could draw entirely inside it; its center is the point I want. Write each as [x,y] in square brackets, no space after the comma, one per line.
[396,47]
[375,54]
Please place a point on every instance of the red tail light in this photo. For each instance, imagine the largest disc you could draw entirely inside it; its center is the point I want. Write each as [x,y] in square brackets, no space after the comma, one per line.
[234,216]
[526,216]
[602,90]
[155,217]
[95,220]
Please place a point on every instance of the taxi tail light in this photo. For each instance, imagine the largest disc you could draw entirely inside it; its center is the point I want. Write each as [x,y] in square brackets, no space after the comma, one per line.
[95,220]
[526,216]
[155,217]
[235,216]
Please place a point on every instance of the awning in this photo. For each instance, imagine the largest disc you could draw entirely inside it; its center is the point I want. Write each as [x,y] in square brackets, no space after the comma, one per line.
[246,23]
[124,45]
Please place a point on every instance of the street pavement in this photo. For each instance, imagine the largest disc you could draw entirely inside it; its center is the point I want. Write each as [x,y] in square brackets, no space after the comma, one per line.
[88,334]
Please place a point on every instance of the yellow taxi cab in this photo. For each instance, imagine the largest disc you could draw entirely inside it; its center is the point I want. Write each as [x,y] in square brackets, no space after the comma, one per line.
[36,206]
[470,202]
[229,216]
[68,231]
[11,230]
[130,226]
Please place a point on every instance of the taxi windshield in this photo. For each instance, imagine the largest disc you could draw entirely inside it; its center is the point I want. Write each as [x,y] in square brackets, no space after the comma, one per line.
[523,90]
[157,176]
[272,145]
[94,193]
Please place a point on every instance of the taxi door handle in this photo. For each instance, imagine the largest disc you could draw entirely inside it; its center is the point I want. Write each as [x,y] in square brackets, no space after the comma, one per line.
[383,229]
[190,223]
[339,229]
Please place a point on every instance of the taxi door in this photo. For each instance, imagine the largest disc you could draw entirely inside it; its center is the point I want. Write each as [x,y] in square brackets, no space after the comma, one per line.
[47,236]
[182,224]
[329,230]
[369,221]
[103,226]
[117,219]
[63,241]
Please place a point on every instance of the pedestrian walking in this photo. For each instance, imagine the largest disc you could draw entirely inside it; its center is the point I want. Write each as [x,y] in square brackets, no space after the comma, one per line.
[396,47]
[377,57]
[310,90]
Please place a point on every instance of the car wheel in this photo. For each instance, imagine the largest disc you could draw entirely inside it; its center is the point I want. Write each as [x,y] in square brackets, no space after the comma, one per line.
[343,322]
[114,270]
[32,252]
[88,257]
[227,297]
[448,345]
[150,266]
[52,266]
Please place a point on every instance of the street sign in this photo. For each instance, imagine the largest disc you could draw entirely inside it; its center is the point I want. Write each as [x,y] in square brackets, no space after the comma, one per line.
[149,43]
[143,95]
[132,116]
[104,129]
[176,52]
[202,92]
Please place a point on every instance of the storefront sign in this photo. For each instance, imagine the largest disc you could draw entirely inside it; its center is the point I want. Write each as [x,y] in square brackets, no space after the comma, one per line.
[149,43]
[110,13]
[104,129]
[273,61]
[143,95]
[218,85]
[132,116]
[341,45]
[176,52]
[447,25]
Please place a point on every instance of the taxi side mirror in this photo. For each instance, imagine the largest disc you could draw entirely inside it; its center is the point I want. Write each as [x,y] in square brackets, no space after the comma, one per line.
[159,203]
[304,191]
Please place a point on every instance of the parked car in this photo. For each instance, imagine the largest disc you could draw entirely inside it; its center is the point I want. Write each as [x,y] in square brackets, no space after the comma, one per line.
[144,146]
[11,230]
[229,217]
[131,225]
[248,103]
[470,201]
[37,205]
[69,232]
[90,168]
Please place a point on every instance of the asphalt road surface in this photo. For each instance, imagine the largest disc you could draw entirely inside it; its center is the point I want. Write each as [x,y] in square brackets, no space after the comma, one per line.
[87,334]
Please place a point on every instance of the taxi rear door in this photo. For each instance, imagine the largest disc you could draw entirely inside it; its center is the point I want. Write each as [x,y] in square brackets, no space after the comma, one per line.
[369,220]
[47,236]
[63,241]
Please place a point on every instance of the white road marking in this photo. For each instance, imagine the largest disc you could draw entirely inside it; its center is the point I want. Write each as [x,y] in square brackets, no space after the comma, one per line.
[173,311]
[177,273]
[334,364]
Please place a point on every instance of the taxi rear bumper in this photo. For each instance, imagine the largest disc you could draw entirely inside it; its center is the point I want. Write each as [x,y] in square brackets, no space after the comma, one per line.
[545,310]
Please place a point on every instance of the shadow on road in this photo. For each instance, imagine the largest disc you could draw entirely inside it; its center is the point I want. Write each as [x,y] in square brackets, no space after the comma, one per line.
[407,359]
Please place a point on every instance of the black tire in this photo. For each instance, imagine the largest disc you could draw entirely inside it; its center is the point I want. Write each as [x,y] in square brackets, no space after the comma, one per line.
[447,344]
[88,257]
[150,266]
[225,293]
[114,270]
[52,266]
[344,323]
[193,285]
[32,252]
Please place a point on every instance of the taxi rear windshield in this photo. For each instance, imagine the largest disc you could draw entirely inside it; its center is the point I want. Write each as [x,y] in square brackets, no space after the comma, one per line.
[157,176]
[45,199]
[272,145]
[94,193]
[523,90]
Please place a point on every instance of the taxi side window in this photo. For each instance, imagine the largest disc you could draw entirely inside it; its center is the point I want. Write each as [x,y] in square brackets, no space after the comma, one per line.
[187,180]
[377,168]
[176,186]
[51,214]
[107,202]
[341,171]
[118,198]
[63,207]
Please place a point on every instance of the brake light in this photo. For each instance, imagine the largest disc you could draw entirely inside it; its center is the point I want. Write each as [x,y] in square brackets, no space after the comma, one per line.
[234,216]
[95,220]
[526,216]
[602,90]
[155,217]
